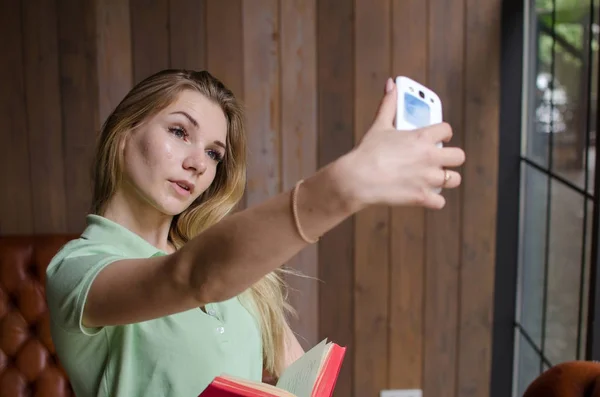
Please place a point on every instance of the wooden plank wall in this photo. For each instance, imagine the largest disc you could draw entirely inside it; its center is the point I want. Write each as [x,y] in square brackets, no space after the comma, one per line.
[409,291]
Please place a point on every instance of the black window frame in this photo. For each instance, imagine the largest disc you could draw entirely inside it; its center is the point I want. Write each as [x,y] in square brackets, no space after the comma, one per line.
[509,191]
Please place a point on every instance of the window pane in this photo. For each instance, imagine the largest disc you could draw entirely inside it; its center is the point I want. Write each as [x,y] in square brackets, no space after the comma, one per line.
[528,365]
[558,85]
[564,274]
[571,63]
[538,94]
[593,100]
[586,279]
[533,249]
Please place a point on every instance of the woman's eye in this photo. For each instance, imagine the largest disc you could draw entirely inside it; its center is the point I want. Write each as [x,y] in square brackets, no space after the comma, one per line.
[216,156]
[178,132]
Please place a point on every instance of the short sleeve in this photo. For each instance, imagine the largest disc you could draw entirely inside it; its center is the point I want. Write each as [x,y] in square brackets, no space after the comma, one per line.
[67,285]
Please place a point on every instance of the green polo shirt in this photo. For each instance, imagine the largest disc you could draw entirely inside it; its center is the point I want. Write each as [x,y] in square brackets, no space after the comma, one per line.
[176,355]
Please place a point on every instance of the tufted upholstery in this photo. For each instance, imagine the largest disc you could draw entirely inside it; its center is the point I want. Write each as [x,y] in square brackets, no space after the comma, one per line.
[568,379]
[28,364]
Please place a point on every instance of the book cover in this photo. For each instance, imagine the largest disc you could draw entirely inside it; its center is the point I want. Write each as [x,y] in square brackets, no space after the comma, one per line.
[314,374]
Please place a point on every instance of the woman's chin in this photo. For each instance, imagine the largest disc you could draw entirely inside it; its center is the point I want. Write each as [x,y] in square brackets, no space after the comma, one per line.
[171,207]
[173,210]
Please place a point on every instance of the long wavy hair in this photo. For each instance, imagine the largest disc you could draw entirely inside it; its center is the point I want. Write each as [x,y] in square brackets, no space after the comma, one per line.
[267,298]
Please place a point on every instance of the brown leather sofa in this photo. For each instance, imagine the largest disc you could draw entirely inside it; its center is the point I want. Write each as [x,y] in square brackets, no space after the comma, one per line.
[568,379]
[28,362]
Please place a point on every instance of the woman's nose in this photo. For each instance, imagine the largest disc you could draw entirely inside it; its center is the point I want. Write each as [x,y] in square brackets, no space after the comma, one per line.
[195,161]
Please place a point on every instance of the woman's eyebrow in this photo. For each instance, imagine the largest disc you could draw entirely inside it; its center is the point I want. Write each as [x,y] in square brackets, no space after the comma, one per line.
[190,118]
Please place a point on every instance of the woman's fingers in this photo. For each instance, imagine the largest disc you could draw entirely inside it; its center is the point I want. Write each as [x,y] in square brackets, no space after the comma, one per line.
[436,133]
[445,179]
[450,157]
[440,179]
[444,156]
[433,200]
[449,179]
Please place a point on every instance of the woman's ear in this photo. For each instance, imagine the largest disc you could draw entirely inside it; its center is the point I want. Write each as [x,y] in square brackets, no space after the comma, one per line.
[123,142]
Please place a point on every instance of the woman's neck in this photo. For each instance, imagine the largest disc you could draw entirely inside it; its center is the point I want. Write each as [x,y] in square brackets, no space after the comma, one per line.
[141,218]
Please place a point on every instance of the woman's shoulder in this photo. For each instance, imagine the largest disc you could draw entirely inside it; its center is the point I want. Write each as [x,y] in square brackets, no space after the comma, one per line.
[81,248]
[81,253]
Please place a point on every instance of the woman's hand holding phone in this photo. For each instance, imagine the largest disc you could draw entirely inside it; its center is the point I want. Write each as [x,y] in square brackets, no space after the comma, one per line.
[400,167]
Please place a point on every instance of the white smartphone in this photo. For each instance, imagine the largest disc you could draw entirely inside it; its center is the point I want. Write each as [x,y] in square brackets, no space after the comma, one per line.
[418,106]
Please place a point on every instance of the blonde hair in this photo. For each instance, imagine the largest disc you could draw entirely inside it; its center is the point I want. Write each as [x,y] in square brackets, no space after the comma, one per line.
[267,297]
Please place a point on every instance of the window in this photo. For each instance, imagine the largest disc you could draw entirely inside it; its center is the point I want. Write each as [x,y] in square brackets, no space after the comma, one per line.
[557,163]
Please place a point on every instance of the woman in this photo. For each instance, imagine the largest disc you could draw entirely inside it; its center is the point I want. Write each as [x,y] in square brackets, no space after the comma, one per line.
[162,292]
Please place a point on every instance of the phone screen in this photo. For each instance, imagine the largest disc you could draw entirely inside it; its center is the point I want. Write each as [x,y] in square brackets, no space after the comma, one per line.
[416,111]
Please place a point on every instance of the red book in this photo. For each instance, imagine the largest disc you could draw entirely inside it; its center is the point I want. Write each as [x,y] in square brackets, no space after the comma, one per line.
[312,375]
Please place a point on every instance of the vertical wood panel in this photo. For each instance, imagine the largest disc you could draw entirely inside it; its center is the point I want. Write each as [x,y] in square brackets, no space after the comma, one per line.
[149,37]
[262,98]
[115,74]
[299,145]
[407,262]
[79,88]
[482,103]
[43,115]
[372,68]
[15,195]
[335,76]
[187,34]
[446,32]
[224,47]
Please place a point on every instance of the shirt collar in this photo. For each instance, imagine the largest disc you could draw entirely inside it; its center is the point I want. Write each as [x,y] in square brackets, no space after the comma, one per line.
[108,232]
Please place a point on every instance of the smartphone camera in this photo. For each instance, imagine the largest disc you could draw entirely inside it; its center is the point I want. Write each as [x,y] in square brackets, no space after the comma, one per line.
[416,109]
